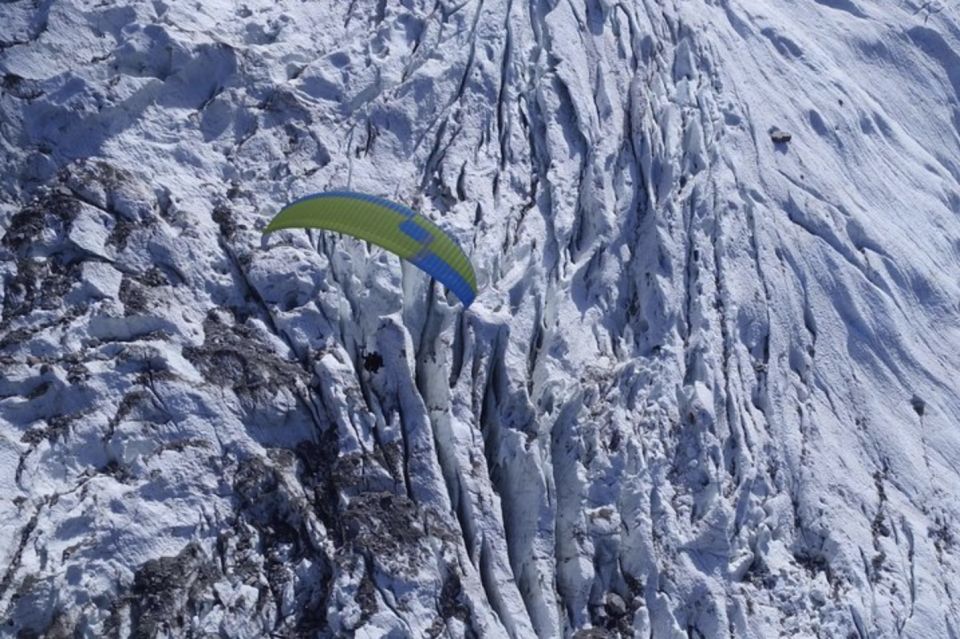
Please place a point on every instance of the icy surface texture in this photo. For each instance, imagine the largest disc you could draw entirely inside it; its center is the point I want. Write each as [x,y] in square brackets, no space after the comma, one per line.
[709,388]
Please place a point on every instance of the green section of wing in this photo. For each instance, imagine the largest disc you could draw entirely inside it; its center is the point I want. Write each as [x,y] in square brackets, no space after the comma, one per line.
[366,220]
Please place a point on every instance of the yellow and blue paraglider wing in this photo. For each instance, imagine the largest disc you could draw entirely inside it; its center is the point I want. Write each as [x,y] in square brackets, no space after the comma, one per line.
[393,226]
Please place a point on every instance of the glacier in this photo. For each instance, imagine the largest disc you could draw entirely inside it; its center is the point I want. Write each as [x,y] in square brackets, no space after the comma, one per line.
[709,387]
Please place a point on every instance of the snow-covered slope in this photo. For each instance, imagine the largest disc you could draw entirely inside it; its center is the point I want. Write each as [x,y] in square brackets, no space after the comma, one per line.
[709,387]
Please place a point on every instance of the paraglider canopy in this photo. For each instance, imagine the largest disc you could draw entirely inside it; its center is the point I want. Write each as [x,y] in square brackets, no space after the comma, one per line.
[392,226]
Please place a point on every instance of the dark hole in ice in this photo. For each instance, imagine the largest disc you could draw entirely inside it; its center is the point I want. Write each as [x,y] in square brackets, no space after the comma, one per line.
[372,362]
[291,301]
[919,405]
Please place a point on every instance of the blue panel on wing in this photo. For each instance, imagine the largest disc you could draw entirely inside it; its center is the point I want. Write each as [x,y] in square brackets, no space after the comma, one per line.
[414,230]
[448,276]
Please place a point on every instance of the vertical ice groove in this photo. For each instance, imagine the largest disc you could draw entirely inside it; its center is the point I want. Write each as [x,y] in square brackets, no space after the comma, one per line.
[503,95]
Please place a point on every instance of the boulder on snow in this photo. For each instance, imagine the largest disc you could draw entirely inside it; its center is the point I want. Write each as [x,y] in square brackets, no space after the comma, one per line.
[780,137]
[615,606]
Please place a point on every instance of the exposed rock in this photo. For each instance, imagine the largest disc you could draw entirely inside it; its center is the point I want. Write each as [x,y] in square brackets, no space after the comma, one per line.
[780,137]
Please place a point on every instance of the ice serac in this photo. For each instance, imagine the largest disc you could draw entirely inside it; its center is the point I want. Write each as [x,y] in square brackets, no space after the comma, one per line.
[708,387]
